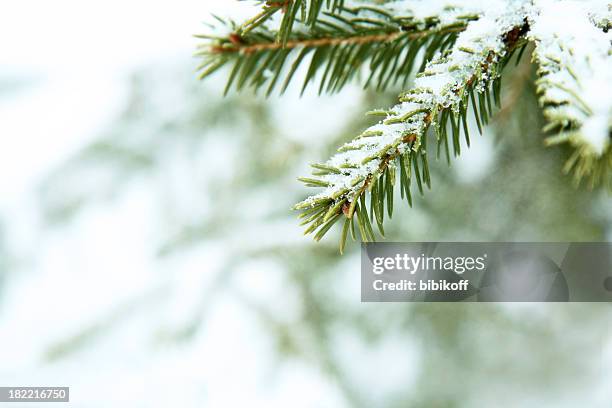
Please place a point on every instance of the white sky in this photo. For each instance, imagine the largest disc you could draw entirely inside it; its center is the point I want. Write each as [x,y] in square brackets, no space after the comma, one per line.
[80,53]
[89,37]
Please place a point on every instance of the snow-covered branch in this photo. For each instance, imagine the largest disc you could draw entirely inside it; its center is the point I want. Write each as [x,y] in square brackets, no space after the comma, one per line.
[460,48]
[574,64]
[441,92]
[388,39]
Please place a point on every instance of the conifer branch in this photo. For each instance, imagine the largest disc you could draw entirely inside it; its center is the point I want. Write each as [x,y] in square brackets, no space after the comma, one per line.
[571,68]
[305,11]
[398,144]
[337,45]
[460,48]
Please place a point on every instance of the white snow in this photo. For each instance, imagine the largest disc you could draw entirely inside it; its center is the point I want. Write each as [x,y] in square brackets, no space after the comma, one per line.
[570,45]
[576,55]
[483,38]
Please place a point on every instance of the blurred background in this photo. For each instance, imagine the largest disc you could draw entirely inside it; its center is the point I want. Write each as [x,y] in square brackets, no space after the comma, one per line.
[149,257]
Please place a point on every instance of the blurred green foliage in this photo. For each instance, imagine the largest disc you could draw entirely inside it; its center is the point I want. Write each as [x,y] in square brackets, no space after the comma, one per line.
[235,162]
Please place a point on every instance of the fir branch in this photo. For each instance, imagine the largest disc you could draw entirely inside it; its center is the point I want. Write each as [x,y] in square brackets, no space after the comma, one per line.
[398,144]
[572,65]
[461,51]
[337,46]
[304,11]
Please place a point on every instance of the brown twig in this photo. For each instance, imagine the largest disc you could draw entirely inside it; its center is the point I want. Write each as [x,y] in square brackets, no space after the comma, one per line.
[322,42]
